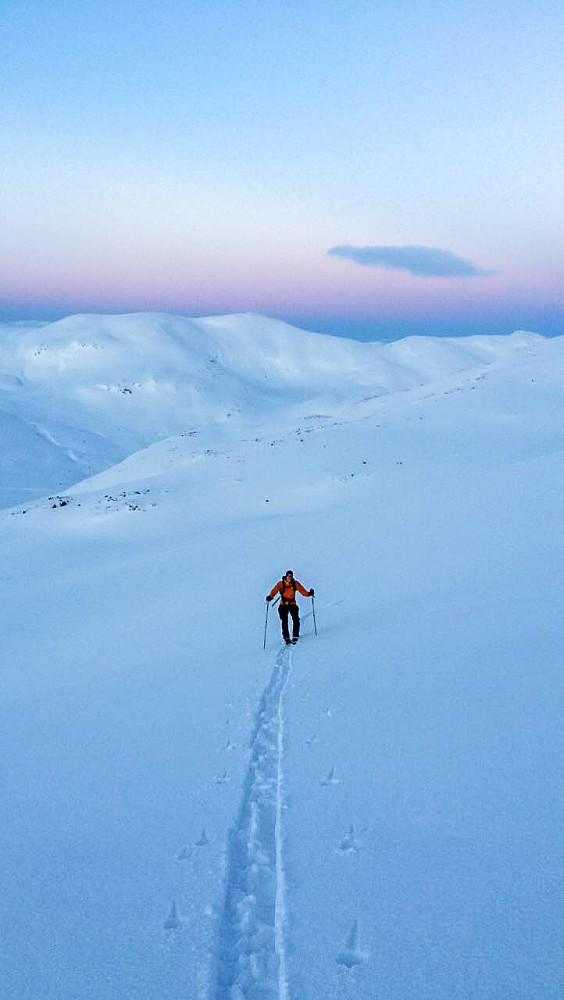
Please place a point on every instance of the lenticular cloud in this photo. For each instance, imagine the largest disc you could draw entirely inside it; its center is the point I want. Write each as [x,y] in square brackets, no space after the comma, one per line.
[425,262]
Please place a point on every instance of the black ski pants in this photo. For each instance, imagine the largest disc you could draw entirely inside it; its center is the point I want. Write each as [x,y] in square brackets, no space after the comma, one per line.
[289,609]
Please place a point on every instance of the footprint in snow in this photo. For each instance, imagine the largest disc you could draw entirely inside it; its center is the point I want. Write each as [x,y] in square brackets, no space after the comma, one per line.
[312,740]
[349,843]
[228,746]
[352,954]
[173,921]
[184,854]
[203,841]
[220,779]
[331,779]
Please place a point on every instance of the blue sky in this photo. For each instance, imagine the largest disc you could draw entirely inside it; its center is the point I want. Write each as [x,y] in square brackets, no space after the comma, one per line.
[204,158]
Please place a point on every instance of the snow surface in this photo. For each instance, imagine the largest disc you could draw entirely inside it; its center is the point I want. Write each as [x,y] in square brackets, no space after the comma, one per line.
[376,812]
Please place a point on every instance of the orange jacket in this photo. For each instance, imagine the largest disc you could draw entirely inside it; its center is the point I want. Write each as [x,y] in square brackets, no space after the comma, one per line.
[287,591]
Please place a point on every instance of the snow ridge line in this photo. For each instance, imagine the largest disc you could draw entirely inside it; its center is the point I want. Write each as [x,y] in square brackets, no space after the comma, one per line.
[251,955]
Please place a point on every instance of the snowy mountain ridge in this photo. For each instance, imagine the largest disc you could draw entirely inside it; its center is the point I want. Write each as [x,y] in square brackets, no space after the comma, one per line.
[80,394]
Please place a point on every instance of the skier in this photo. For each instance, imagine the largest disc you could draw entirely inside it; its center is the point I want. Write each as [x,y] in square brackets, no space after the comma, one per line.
[287,587]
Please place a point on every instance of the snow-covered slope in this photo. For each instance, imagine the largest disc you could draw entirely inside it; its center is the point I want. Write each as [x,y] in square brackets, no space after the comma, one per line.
[375,813]
[89,390]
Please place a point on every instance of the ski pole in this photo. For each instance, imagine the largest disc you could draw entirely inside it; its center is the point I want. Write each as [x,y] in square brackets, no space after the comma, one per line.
[313,609]
[265,624]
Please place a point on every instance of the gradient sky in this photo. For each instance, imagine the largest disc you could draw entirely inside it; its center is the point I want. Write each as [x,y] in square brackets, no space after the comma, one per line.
[206,157]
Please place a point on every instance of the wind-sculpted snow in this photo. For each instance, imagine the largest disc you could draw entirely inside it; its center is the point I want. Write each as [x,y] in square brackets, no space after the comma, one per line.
[251,959]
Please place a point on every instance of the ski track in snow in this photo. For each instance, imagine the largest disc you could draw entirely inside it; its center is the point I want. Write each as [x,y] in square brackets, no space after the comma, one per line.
[251,955]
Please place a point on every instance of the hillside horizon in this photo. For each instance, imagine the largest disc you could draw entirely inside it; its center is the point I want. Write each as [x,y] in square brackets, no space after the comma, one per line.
[82,393]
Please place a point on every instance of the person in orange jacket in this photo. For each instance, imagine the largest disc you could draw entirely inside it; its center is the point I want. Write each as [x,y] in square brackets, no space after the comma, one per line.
[287,587]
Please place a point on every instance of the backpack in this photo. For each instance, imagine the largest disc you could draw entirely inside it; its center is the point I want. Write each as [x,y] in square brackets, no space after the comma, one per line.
[286,586]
